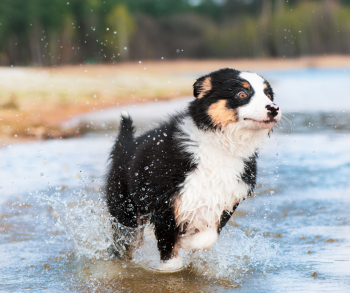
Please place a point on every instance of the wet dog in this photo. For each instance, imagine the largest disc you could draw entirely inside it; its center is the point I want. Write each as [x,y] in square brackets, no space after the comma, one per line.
[188,175]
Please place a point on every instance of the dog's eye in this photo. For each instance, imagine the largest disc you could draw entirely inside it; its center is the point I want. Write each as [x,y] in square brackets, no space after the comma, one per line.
[269,96]
[242,95]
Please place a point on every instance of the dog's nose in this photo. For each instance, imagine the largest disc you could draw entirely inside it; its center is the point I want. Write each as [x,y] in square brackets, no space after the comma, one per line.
[272,110]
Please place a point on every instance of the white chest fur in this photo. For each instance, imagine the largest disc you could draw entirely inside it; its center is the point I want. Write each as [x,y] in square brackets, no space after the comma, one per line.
[215,184]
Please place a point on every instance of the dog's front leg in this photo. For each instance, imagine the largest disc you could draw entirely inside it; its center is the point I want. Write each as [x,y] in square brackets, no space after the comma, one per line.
[225,217]
[167,232]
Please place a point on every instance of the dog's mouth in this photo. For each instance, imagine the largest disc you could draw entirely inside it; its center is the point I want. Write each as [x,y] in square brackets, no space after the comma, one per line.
[265,123]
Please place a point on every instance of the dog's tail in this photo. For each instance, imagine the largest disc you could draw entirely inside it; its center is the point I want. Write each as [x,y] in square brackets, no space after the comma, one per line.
[125,136]
[126,131]
[119,160]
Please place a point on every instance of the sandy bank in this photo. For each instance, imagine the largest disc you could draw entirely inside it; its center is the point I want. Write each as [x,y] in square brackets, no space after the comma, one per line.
[35,101]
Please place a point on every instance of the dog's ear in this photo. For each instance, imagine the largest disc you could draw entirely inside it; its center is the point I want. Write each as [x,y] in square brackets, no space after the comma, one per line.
[202,86]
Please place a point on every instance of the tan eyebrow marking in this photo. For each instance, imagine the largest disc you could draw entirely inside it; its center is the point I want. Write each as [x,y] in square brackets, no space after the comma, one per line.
[205,87]
[266,87]
[246,85]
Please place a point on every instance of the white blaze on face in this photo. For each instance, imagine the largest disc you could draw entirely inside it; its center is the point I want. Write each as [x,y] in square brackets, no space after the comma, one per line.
[256,108]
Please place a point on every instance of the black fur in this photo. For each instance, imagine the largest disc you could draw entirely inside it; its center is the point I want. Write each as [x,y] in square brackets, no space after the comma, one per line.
[225,217]
[250,172]
[144,176]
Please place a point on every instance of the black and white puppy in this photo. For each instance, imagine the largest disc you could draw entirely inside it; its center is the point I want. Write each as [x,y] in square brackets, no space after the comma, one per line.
[189,174]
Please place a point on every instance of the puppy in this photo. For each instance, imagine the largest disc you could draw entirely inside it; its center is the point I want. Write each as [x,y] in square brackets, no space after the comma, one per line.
[188,175]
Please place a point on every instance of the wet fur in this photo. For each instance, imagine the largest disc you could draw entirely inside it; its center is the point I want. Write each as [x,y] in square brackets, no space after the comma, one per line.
[189,174]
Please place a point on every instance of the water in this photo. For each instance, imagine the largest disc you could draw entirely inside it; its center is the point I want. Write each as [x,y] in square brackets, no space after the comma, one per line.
[55,230]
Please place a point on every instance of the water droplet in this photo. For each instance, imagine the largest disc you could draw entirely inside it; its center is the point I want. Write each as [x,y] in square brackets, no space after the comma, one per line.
[165,134]
[146,168]
[136,174]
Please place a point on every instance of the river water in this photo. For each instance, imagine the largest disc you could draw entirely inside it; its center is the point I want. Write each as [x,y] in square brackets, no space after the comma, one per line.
[292,236]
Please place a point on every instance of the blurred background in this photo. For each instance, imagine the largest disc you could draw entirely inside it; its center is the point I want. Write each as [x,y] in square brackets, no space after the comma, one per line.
[67,70]
[64,58]
[92,31]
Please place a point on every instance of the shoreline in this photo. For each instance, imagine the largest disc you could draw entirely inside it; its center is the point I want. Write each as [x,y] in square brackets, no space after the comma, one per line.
[193,65]
[35,108]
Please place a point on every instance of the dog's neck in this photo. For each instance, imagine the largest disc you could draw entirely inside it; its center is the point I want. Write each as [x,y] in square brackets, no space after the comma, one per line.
[239,140]
[235,139]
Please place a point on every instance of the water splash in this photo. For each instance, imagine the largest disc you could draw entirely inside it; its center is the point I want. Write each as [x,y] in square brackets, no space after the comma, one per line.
[85,221]
[233,255]
[97,236]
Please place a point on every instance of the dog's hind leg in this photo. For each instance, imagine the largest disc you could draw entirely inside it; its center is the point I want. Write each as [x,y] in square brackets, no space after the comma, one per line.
[125,226]
[167,232]
[137,240]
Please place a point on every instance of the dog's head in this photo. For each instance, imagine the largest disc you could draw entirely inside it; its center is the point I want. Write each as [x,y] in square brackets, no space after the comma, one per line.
[230,96]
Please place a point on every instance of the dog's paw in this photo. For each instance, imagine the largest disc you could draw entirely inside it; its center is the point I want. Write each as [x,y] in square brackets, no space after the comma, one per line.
[169,266]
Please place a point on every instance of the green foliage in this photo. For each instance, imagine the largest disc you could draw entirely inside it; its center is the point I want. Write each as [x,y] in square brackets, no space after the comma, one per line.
[121,26]
[42,32]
